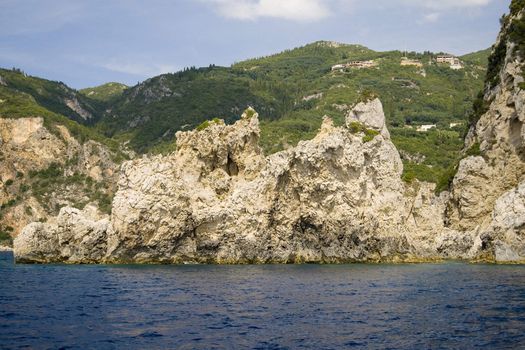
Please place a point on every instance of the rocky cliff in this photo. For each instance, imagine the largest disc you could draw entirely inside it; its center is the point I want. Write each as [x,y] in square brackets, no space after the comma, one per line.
[487,191]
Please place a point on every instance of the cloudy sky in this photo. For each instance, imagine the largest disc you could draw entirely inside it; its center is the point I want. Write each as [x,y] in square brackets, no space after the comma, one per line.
[89,42]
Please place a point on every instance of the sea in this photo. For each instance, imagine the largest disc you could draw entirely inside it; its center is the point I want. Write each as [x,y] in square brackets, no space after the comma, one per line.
[354,306]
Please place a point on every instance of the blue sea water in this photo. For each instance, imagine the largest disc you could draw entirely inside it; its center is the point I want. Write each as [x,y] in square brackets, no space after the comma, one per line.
[420,306]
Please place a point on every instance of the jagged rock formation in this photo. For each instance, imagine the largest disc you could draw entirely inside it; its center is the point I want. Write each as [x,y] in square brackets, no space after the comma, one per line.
[218,199]
[336,198]
[50,241]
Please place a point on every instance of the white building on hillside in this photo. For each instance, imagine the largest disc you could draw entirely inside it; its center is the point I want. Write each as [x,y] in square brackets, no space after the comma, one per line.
[453,61]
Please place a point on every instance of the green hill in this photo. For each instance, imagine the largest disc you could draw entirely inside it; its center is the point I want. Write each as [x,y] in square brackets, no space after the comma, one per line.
[105,92]
[479,57]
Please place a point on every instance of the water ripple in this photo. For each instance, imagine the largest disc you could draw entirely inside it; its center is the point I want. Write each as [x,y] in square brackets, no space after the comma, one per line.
[442,306]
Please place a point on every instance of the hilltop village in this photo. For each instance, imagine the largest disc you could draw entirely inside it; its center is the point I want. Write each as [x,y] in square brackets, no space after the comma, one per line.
[451,61]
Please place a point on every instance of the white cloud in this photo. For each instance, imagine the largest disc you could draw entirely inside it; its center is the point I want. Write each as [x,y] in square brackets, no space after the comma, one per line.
[295,10]
[438,7]
[430,17]
[314,10]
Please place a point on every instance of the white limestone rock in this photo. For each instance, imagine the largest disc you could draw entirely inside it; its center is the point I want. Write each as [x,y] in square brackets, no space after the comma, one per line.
[74,236]
[369,114]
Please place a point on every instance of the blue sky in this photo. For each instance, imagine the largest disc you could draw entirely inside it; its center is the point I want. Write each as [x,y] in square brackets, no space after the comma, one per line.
[89,42]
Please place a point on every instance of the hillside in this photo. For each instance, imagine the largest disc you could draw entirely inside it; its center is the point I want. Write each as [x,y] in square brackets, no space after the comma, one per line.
[292,90]
[104,92]
[479,57]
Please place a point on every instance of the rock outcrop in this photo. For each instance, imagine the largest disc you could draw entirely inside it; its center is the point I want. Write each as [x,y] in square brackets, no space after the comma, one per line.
[52,241]
[28,190]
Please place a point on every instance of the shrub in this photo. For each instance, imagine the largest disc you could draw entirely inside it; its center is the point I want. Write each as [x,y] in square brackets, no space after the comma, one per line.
[369,135]
[473,150]
[5,238]
[479,107]
[9,182]
[203,125]
[445,180]
[408,176]
[104,201]
[516,6]
[54,170]
[496,60]
[356,127]
[367,95]
[249,112]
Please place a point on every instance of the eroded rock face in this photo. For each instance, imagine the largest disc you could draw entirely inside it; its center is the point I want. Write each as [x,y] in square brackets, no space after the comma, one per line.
[75,106]
[506,232]
[370,114]
[336,198]
[27,146]
[219,200]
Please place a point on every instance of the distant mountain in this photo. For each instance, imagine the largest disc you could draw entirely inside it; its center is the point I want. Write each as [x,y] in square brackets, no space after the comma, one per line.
[105,92]
[24,95]
[479,57]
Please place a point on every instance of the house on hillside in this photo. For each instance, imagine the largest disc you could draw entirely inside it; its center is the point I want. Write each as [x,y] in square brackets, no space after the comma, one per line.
[339,67]
[354,64]
[405,61]
[456,65]
[445,59]
[453,61]
[362,64]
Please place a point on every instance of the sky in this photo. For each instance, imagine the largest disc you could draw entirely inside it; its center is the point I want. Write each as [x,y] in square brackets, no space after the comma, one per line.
[86,43]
